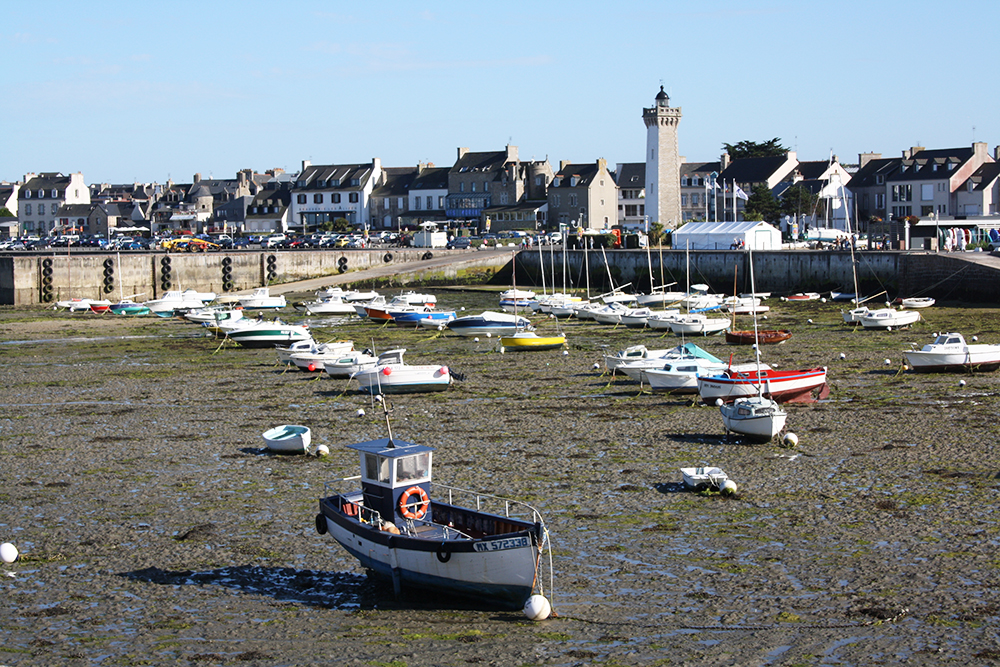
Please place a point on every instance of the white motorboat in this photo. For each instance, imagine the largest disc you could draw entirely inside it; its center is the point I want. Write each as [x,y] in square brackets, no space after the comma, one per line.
[213,314]
[609,313]
[261,299]
[268,334]
[680,376]
[391,375]
[173,301]
[688,352]
[487,549]
[349,363]
[758,418]
[639,353]
[489,323]
[285,352]
[696,323]
[331,305]
[889,318]
[950,353]
[315,358]
[288,439]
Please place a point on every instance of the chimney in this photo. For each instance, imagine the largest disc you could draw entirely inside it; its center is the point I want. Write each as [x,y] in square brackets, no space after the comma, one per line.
[865,158]
[306,164]
[511,153]
[563,164]
[602,164]
[197,178]
[724,162]
[461,152]
[907,154]
[980,149]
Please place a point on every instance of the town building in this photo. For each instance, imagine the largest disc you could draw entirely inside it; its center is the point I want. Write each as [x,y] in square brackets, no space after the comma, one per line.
[697,202]
[41,196]
[583,196]
[324,195]
[631,180]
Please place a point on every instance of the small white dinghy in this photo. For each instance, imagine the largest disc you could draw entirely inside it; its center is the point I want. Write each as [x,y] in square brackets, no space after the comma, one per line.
[703,478]
[288,439]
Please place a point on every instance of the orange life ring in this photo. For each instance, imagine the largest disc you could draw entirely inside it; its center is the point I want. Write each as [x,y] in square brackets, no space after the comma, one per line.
[420,508]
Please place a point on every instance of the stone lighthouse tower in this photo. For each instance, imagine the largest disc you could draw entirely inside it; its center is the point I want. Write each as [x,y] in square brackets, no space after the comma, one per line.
[663,162]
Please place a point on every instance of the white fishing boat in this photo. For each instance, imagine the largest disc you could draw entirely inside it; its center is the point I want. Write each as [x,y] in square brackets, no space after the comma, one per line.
[261,299]
[174,301]
[330,305]
[951,353]
[391,375]
[288,439]
[638,353]
[490,323]
[889,318]
[487,548]
[350,363]
[696,323]
[213,314]
[285,352]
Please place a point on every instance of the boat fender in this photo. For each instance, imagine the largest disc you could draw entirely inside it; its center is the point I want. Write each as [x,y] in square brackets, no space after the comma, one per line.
[443,554]
[321,524]
[420,507]
[428,255]
[387,257]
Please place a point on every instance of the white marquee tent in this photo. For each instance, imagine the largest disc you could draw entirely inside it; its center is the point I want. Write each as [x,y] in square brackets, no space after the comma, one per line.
[725,235]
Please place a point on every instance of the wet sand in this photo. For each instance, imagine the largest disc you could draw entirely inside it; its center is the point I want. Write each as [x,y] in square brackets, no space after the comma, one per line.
[154,529]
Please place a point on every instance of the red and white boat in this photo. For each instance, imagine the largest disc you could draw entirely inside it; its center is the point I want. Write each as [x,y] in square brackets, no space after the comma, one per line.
[782,386]
[803,296]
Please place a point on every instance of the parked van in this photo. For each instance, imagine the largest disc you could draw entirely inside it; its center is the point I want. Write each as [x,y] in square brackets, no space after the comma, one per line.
[273,241]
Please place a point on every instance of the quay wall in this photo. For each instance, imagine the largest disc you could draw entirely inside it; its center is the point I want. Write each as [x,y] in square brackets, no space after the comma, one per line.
[47,278]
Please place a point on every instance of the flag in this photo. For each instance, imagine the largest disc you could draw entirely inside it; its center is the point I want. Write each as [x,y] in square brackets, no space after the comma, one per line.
[739,193]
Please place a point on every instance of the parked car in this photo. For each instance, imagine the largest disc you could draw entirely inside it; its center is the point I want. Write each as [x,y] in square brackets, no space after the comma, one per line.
[273,241]
[241,242]
[459,243]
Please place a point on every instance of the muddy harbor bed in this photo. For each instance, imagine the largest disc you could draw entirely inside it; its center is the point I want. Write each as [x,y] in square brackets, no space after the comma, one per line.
[154,529]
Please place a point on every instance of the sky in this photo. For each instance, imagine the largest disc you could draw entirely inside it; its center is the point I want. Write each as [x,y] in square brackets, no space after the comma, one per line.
[144,92]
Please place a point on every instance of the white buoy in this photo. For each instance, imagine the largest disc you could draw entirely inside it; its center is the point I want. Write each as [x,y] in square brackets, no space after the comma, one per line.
[790,439]
[842,356]
[476,339]
[961,383]
[8,552]
[502,349]
[322,450]
[975,338]
[823,300]
[888,362]
[809,321]
[463,307]
[728,487]
[597,366]
[489,334]
[565,353]
[361,412]
[719,402]
[765,317]
[888,328]
[537,608]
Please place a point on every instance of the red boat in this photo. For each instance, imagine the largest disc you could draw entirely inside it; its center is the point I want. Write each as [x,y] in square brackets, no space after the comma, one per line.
[783,386]
[764,336]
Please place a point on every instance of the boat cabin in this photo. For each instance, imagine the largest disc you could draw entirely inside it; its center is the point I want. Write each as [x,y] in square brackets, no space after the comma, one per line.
[391,357]
[396,478]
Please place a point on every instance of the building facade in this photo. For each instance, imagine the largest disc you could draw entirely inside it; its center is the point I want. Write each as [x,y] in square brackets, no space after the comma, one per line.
[41,196]
[583,196]
[328,193]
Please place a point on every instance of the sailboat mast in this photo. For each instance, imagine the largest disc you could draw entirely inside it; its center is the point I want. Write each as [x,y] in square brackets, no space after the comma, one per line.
[541,267]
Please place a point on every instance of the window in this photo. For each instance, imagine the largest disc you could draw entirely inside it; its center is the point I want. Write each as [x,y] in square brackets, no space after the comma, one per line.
[55,208]
[353,197]
[880,200]
[430,202]
[573,181]
[538,180]
[557,181]
[879,179]
[684,200]
[55,194]
[416,203]
[694,199]
[318,198]
[461,187]
[441,201]
[300,199]
[41,194]
[376,468]
[572,200]
[336,197]
[399,202]
[413,468]
[355,182]
[927,191]
[555,200]
[486,186]
[473,186]
[27,209]
[27,194]
[684,181]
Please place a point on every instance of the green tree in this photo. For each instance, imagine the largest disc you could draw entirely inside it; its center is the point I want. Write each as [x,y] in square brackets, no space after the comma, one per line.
[744,149]
[762,205]
[5,213]
[797,200]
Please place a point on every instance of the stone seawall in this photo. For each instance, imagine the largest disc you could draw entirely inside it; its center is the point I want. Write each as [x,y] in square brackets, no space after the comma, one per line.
[32,279]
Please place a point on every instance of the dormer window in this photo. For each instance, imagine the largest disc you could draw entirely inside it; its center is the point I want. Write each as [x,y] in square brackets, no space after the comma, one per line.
[55,194]
[355,181]
[951,165]
[684,181]
[879,179]
[27,194]
[557,181]
[41,193]
[573,181]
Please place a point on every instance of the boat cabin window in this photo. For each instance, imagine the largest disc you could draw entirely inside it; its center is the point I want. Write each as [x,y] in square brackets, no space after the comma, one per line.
[743,411]
[377,468]
[410,468]
[952,341]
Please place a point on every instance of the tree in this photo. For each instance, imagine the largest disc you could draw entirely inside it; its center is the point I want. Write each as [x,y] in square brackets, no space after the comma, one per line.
[5,213]
[762,205]
[744,149]
[798,200]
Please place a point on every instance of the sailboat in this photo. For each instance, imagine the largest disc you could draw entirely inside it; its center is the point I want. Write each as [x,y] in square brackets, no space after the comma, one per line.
[528,340]
[854,315]
[754,336]
[757,417]
[695,322]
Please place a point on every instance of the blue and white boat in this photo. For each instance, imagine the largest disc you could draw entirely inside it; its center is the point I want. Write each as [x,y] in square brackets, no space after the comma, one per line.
[490,322]
[413,318]
[488,549]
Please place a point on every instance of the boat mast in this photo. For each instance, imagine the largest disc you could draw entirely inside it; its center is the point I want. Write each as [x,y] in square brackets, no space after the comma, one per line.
[541,266]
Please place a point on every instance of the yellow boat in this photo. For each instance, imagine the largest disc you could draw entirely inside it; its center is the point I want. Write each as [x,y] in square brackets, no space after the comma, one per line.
[529,340]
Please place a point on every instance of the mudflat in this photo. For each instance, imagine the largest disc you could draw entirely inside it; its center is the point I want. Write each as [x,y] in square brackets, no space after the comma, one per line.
[154,528]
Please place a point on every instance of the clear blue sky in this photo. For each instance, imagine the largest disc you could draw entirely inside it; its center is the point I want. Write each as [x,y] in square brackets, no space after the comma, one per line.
[127,91]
